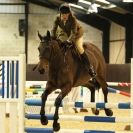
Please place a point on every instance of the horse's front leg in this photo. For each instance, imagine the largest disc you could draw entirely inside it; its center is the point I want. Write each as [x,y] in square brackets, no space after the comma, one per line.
[43,119]
[63,93]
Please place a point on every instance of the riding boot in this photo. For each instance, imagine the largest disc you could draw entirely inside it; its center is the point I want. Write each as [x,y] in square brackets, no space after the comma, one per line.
[87,64]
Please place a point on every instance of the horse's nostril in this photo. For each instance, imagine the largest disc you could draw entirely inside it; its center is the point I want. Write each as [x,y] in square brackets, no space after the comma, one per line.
[41,71]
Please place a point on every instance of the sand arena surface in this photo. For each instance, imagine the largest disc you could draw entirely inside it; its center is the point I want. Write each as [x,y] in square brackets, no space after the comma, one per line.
[91,125]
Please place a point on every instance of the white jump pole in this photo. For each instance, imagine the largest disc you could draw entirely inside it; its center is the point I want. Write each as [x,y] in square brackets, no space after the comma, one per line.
[131,92]
[22,79]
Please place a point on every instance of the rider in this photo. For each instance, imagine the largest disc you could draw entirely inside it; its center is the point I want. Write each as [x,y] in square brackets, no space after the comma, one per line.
[67,28]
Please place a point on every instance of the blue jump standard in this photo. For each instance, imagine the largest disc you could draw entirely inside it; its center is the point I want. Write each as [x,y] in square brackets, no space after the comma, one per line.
[50,130]
[32,102]
[83,118]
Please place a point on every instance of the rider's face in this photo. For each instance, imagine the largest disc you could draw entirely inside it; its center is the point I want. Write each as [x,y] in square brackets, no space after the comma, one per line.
[64,17]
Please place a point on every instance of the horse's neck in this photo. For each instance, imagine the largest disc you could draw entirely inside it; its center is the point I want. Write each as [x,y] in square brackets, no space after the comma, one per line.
[56,59]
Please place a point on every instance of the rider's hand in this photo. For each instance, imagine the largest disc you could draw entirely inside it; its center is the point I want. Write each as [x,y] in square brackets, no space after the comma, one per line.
[67,42]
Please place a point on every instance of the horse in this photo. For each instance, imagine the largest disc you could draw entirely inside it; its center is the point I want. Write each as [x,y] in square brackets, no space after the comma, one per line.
[66,70]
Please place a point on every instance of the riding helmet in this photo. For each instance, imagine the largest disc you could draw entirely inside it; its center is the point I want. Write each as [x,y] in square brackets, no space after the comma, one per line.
[64,8]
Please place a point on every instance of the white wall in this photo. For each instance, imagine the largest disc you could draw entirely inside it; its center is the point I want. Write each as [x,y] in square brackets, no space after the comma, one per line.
[117,44]
[92,35]
[40,19]
[10,41]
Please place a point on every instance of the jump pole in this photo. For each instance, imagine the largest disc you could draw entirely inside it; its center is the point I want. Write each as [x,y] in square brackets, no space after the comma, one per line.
[83,118]
[120,84]
[50,130]
[118,92]
[131,125]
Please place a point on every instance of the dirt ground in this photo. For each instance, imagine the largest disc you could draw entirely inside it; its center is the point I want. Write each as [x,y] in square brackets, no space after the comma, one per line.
[92,125]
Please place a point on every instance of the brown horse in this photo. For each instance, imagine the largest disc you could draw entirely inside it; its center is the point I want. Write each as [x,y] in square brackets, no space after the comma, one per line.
[68,71]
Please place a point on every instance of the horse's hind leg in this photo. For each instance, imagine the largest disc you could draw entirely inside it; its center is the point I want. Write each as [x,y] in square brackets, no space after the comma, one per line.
[47,91]
[63,93]
[105,93]
[94,110]
[94,85]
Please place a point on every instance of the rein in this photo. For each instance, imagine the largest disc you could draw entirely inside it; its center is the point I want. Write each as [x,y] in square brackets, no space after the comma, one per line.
[61,48]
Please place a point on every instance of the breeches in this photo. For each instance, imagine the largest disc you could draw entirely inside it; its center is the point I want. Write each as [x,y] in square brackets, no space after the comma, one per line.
[63,37]
[79,45]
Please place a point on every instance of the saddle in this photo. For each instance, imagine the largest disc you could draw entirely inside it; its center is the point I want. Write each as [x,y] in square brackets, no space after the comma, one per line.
[66,46]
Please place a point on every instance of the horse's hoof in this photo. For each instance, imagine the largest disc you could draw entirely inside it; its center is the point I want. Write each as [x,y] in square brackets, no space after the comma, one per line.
[128,127]
[95,111]
[83,110]
[44,120]
[108,112]
[56,127]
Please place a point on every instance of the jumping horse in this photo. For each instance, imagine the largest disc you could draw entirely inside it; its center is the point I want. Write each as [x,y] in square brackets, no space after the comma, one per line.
[66,70]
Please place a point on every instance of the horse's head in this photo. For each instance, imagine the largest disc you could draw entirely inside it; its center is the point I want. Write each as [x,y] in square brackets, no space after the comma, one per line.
[44,52]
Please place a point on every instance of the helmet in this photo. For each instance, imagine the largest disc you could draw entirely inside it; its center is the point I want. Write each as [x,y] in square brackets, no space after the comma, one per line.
[64,8]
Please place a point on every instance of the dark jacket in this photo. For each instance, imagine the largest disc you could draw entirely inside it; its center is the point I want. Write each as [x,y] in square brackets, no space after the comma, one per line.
[72,27]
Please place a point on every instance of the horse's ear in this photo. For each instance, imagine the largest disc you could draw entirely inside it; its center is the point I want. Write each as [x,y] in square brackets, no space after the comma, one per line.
[48,34]
[39,35]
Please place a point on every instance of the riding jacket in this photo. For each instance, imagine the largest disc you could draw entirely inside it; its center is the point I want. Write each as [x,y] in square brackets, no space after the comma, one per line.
[72,28]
